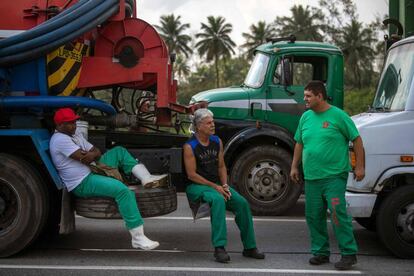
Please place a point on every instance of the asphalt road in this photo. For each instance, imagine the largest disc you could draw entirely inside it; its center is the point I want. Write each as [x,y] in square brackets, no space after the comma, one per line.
[102,247]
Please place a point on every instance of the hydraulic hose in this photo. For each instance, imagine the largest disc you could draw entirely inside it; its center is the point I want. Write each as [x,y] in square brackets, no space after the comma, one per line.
[57,33]
[55,102]
[74,30]
[65,17]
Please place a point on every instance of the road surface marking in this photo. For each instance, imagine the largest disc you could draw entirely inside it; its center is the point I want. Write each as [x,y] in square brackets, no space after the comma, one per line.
[131,250]
[182,269]
[231,218]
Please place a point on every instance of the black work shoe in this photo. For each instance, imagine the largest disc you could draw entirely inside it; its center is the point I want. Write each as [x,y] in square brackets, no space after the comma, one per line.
[221,255]
[253,253]
[319,259]
[346,262]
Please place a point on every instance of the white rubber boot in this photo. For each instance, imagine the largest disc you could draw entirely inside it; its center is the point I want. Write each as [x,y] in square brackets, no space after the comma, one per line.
[148,180]
[139,240]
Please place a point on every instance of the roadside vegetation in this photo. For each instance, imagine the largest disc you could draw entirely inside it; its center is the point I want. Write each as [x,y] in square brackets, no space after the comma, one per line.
[210,58]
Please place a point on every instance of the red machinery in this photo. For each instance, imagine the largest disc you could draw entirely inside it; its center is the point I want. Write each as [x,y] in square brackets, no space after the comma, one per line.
[125,51]
[130,53]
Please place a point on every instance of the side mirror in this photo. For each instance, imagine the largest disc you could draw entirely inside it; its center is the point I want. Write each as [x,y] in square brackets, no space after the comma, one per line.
[286,72]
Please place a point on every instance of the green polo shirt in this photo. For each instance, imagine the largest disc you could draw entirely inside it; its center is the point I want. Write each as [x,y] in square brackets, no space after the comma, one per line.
[325,138]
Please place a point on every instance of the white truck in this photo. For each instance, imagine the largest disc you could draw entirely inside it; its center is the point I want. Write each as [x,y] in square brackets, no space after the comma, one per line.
[384,200]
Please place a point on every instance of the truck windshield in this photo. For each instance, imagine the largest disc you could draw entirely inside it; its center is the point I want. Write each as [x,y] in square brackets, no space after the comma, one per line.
[257,71]
[396,79]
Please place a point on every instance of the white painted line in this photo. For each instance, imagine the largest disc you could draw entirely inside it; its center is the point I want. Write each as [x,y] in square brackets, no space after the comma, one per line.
[129,250]
[229,218]
[178,268]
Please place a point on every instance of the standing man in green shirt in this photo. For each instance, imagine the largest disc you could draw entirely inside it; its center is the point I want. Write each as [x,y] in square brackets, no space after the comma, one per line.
[322,142]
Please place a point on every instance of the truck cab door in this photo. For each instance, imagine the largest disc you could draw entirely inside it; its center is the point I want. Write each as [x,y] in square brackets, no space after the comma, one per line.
[290,74]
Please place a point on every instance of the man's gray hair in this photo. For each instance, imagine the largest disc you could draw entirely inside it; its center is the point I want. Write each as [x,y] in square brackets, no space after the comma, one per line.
[199,115]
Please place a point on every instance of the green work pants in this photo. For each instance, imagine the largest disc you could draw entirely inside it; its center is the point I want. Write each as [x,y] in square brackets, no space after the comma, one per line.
[99,185]
[320,195]
[218,206]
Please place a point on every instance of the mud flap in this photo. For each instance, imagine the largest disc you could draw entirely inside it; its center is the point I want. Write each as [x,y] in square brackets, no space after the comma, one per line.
[67,216]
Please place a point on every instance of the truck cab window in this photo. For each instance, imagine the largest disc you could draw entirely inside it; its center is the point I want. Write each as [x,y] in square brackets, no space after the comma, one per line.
[304,69]
[396,78]
[257,71]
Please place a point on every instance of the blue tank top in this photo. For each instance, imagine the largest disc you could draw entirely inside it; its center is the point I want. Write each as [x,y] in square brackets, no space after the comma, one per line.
[206,157]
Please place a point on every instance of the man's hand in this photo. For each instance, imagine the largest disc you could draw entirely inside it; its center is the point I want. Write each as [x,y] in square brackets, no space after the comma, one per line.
[295,175]
[359,173]
[224,191]
[88,158]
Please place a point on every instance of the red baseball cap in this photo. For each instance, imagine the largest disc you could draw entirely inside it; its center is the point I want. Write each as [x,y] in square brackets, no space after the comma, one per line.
[65,115]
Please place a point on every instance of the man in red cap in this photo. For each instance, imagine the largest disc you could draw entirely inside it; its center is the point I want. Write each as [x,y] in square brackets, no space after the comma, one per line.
[72,154]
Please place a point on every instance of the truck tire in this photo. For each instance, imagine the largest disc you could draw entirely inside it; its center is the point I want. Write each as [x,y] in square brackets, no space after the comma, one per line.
[23,204]
[395,222]
[151,203]
[368,223]
[262,175]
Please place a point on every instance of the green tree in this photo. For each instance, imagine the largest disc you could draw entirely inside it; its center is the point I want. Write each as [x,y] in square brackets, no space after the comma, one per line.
[181,67]
[257,36]
[172,31]
[357,44]
[203,78]
[215,41]
[363,53]
[305,23]
[234,71]
[358,101]
[337,14]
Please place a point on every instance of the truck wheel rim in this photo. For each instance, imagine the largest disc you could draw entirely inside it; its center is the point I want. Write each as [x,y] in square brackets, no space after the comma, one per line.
[9,206]
[266,181]
[405,223]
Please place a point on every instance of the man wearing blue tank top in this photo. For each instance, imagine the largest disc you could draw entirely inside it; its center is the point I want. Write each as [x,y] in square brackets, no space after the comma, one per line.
[205,167]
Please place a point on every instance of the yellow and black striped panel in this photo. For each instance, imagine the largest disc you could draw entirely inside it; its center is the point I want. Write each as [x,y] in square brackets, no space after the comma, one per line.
[64,66]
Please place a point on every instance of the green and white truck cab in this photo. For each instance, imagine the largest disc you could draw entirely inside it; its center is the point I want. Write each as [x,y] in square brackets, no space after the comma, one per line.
[257,120]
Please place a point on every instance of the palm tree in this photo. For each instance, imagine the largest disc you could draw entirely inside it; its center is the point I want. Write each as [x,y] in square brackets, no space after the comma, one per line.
[215,41]
[357,45]
[305,23]
[181,67]
[171,30]
[257,36]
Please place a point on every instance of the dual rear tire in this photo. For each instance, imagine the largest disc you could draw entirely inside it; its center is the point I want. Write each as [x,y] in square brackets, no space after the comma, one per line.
[23,204]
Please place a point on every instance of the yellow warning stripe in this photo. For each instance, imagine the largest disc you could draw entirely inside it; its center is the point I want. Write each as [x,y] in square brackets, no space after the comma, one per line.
[72,85]
[64,66]
[60,74]
[52,55]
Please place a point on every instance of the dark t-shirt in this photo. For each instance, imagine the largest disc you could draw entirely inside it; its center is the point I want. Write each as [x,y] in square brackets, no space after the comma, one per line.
[206,157]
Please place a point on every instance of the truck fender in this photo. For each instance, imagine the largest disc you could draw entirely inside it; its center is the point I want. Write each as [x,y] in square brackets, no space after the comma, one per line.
[379,185]
[40,139]
[278,133]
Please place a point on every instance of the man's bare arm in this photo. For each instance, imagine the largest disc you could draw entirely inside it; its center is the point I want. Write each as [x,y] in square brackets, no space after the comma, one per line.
[191,170]
[86,157]
[297,158]
[222,170]
[359,171]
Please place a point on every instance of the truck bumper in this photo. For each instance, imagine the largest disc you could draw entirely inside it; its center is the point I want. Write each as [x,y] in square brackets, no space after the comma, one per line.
[360,205]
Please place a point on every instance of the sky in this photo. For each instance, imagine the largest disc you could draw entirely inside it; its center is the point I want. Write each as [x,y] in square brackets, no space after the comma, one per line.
[240,13]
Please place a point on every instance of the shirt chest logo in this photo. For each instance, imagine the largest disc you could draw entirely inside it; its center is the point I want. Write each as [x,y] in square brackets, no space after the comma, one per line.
[325,124]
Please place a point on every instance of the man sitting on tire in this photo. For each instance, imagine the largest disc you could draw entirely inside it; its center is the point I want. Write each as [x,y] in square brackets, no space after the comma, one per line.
[72,155]
[204,164]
